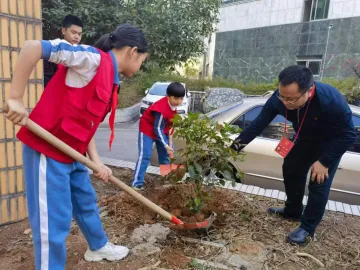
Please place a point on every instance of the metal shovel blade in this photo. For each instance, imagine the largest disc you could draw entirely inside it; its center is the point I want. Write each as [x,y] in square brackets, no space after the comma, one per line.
[165,169]
[198,225]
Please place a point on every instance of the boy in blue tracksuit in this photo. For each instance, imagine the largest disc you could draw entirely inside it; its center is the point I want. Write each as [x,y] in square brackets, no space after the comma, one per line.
[155,125]
[322,120]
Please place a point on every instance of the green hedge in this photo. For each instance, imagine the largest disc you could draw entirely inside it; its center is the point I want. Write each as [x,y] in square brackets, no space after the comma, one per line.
[349,87]
[132,90]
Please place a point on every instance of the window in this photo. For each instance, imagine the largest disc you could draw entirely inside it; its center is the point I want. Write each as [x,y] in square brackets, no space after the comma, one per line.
[356,146]
[275,130]
[245,120]
[158,89]
[316,9]
[314,63]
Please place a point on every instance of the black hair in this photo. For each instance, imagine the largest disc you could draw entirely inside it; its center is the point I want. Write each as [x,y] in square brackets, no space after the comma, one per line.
[175,89]
[70,20]
[124,35]
[301,75]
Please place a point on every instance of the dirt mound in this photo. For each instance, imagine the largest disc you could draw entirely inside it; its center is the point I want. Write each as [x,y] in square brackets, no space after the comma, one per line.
[172,198]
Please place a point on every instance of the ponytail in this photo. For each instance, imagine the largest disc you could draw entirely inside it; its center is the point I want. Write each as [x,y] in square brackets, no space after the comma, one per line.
[104,43]
[124,35]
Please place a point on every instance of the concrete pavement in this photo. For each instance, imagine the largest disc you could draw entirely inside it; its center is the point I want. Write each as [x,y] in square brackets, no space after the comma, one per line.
[125,146]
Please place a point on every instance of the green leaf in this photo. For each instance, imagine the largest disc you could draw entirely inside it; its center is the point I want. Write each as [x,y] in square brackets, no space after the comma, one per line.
[197,201]
[175,34]
[177,118]
[191,171]
[198,167]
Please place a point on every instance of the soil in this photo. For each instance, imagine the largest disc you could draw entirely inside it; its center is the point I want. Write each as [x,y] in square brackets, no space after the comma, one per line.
[242,224]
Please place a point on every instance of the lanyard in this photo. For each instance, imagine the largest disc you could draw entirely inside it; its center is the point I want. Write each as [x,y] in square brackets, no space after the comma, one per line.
[312,93]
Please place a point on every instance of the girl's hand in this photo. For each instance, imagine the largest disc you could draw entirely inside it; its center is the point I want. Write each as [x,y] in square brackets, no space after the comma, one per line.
[104,173]
[16,112]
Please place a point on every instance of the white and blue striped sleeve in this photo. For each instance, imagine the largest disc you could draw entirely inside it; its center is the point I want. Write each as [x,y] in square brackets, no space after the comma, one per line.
[83,59]
[159,125]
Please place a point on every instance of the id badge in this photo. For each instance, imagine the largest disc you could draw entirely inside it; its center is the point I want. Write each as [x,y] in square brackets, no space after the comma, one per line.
[284,147]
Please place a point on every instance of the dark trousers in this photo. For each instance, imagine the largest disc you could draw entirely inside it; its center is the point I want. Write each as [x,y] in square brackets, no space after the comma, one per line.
[295,169]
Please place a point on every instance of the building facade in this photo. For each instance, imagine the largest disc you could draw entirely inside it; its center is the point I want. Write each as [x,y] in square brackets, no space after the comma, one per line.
[256,39]
[19,20]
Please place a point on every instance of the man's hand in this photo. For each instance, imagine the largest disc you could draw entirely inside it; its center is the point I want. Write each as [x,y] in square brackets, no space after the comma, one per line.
[170,151]
[17,112]
[104,173]
[237,146]
[319,172]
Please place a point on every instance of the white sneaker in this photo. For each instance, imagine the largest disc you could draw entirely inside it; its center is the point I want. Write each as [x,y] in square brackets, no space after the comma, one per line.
[108,252]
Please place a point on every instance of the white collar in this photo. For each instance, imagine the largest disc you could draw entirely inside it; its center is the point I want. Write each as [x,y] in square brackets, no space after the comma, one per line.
[172,107]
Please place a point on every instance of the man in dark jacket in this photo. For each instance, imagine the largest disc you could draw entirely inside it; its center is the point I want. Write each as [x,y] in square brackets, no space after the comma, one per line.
[72,32]
[322,120]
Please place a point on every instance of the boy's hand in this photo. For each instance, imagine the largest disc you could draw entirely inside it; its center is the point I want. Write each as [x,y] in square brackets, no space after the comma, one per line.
[17,112]
[104,173]
[170,151]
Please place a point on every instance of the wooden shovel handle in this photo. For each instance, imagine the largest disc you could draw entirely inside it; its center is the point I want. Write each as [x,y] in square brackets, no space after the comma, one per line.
[51,139]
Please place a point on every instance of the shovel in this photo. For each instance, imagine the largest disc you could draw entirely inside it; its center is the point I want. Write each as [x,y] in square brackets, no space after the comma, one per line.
[165,169]
[51,139]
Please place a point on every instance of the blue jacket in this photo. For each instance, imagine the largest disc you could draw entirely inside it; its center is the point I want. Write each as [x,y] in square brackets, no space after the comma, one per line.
[159,125]
[328,122]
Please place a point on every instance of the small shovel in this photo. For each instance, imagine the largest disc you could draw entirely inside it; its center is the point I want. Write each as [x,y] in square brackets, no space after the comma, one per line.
[51,139]
[165,169]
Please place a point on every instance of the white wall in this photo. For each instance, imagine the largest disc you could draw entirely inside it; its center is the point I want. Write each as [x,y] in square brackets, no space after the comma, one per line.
[211,55]
[259,14]
[344,9]
[275,12]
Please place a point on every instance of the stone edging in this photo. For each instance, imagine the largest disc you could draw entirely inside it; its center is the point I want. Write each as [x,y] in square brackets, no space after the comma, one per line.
[125,114]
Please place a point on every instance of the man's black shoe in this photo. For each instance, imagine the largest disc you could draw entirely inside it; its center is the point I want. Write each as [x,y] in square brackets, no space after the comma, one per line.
[299,237]
[281,212]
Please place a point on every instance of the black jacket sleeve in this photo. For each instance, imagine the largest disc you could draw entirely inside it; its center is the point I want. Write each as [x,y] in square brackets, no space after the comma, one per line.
[343,130]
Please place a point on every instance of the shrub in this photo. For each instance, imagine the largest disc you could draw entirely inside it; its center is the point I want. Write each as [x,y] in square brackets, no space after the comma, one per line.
[206,155]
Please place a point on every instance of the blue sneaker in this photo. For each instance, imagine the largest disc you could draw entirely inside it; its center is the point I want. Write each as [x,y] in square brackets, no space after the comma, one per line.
[138,188]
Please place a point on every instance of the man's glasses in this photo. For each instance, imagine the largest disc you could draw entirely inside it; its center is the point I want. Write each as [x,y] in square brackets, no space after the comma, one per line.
[289,100]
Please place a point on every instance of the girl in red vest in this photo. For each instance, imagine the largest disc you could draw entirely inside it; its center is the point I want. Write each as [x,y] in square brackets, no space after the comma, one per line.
[155,125]
[73,104]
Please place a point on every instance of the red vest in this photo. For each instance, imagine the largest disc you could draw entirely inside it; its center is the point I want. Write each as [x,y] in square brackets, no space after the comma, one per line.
[147,120]
[72,114]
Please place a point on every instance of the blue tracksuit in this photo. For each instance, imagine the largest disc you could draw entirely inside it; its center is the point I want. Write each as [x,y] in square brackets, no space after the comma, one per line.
[327,133]
[145,145]
[56,192]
